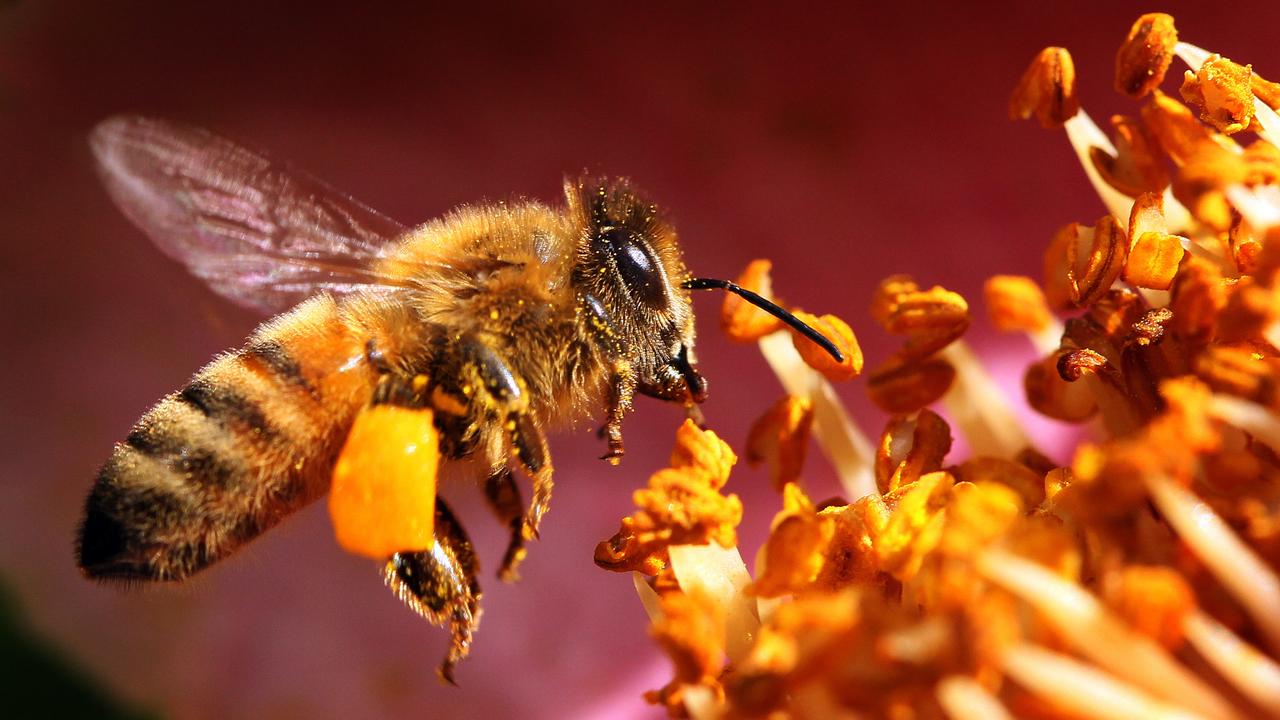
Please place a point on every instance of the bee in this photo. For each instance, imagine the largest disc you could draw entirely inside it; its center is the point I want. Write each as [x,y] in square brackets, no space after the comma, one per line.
[502,318]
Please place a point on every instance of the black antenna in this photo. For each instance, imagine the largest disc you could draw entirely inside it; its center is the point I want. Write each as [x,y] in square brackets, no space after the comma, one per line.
[766,305]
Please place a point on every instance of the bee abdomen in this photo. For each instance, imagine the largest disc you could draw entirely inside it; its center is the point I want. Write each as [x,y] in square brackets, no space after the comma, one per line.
[249,439]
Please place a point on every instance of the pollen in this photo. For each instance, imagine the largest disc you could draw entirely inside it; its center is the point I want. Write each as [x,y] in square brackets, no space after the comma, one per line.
[1016,303]
[818,358]
[780,438]
[1138,165]
[796,549]
[382,500]
[1047,89]
[743,321]
[1153,260]
[1146,54]
[682,505]
[1221,91]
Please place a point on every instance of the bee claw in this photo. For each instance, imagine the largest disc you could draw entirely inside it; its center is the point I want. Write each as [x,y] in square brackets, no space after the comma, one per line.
[510,571]
[441,586]
[445,673]
[504,499]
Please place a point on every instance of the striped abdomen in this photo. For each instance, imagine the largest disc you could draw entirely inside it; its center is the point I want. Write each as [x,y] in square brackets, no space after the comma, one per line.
[249,440]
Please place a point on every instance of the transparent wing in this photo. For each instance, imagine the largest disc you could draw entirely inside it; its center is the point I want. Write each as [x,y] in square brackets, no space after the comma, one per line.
[256,232]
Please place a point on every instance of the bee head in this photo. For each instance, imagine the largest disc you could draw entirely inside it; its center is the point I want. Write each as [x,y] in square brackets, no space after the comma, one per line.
[630,277]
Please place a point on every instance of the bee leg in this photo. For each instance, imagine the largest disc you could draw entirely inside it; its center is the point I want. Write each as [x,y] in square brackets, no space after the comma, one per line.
[504,394]
[530,447]
[670,386]
[677,381]
[440,585]
[622,387]
[504,498]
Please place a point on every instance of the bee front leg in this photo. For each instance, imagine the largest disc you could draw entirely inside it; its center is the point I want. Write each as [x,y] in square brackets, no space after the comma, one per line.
[622,388]
[503,495]
[671,386]
[440,585]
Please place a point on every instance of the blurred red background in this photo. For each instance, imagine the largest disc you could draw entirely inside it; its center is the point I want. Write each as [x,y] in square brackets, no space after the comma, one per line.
[845,144]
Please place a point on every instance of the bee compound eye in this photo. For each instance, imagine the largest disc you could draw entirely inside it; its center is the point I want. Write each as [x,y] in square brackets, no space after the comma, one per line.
[637,265]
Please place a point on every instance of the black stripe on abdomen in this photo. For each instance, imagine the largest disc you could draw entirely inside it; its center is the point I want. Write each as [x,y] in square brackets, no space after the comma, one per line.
[275,357]
[176,447]
[219,402]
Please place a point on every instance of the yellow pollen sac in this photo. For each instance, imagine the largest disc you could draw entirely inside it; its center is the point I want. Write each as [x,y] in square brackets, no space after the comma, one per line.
[383,498]
[1047,90]
[1153,260]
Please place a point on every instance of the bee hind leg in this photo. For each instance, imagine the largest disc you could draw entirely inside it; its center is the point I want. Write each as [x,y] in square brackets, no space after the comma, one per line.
[503,495]
[440,585]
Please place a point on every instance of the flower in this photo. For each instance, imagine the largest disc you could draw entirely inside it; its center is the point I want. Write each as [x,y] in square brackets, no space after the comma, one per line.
[1007,584]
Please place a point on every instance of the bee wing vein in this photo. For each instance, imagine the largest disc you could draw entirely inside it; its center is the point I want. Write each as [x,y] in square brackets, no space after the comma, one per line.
[259,233]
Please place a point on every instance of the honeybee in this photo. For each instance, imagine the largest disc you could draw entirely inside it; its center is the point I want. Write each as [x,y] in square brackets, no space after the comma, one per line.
[502,319]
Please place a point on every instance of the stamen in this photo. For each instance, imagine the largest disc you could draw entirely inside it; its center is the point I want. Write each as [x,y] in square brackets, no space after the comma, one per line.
[978,407]
[846,448]
[1269,121]
[648,598]
[1250,417]
[1260,206]
[1016,303]
[1085,134]
[1084,691]
[1255,675]
[963,698]
[1107,384]
[1060,582]
[1244,574]
[720,575]
[1046,339]
[1100,635]
[1047,89]
[1194,57]
[700,702]
[1272,334]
